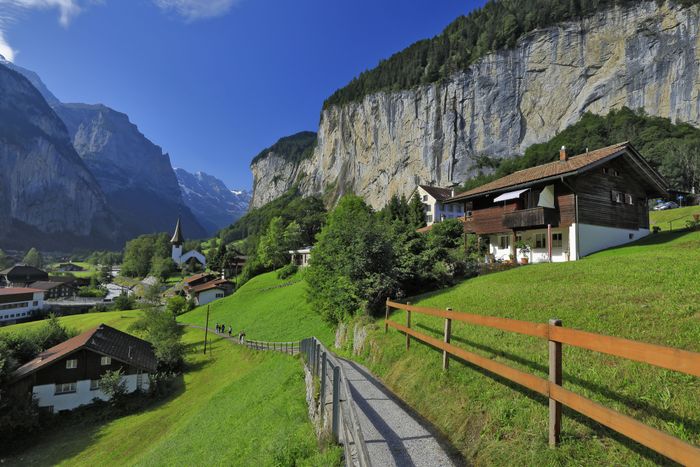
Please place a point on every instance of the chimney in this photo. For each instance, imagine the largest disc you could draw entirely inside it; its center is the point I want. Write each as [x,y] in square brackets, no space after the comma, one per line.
[452,192]
[563,156]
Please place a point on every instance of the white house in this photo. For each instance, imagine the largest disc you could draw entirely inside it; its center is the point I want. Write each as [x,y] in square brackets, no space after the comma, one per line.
[301,256]
[209,291]
[178,257]
[433,199]
[67,375]
[19,303]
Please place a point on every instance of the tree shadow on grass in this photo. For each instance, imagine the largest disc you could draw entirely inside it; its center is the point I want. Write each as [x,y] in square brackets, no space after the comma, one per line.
[601,430]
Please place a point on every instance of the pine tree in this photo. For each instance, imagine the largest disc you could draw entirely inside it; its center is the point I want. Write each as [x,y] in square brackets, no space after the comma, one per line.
[34,258]
[416,215]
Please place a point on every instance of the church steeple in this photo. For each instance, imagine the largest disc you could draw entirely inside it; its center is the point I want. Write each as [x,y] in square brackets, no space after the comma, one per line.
[178,239]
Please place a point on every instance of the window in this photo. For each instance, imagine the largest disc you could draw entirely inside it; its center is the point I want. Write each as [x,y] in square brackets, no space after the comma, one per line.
[504,242]
[72,363]
[105,361]
[219,295]
[557,240]
[36,303]
[428,218]
[616,196]
[94,384]
[63,388]
[540,240]
[605,170]
[425,197]
[628,199]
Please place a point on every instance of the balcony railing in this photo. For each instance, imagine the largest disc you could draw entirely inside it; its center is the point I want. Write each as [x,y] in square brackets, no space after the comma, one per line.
[530,218]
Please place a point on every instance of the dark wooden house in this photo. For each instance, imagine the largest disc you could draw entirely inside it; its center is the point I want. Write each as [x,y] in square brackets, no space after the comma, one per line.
[21,275]
[565,209]
[67,375]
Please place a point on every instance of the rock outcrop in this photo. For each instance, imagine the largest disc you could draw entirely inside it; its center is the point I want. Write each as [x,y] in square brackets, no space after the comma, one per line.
[47,194]
[135,175]
[644,56]
[211,202]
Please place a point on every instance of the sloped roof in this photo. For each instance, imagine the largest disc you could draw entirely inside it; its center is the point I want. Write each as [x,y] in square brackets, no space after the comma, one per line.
[46,285]
[208,285]
[102,339]
[22,270]
[437,192]
[573,165]
[17,290]
[196,277]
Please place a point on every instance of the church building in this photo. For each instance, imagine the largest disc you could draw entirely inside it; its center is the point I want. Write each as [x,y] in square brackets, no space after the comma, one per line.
[177,241]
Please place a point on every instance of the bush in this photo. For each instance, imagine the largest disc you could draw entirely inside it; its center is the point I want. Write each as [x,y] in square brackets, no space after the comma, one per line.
[178,305]
[114,387]
[287,271]
[125,302]
[96,292]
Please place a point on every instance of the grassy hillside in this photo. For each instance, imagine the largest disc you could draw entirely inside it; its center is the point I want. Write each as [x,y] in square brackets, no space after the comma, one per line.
[233,406]
[83,322]
[647,291]
[679,217]
[267,309]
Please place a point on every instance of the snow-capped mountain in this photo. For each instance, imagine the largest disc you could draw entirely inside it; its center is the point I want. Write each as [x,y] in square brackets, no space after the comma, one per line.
[214,205]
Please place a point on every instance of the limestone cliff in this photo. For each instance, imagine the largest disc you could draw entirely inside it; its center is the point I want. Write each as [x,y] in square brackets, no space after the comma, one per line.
[47,195]
[644,56]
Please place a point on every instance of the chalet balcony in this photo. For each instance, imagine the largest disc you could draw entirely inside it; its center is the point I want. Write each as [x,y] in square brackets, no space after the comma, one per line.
[532,217]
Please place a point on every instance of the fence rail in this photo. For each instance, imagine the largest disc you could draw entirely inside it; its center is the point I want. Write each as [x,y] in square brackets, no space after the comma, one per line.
[664,357]
[284,347]
[344,422]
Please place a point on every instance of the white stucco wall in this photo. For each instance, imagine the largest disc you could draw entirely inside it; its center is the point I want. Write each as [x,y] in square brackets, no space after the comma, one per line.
[209,296]
[13,314]
[46,397]
[536,255]
[594,238]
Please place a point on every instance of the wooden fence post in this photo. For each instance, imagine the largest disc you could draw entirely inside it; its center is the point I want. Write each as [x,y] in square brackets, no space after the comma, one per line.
[386,317]
[335,422]
[408,325]
[448,335]
[318,358]
[323,383]
[555,377]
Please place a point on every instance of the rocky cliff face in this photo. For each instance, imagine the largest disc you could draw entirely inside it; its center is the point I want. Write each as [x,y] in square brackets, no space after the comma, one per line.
[211,202]
[646,56]
[47,194]
[137,178]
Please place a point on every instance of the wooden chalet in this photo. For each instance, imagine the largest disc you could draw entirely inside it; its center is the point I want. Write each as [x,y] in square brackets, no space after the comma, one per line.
[565,209]
[67,375]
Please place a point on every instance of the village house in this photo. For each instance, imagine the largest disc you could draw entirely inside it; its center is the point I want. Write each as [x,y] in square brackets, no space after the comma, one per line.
[67,375]
[566,209]
[198,279]
[19,304]
[433,199]
[54,290]
[21,275]
[301,256]
[209,291]
[70,267]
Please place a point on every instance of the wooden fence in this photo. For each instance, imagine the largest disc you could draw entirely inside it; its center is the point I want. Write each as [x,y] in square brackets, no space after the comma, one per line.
[333,382]
[664,357]
[291,348]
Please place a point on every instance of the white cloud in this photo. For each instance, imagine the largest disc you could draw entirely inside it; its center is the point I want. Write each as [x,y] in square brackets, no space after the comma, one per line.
[193,10]
[5,49]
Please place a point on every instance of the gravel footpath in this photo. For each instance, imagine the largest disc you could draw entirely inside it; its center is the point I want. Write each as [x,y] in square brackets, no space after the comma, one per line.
[394,434]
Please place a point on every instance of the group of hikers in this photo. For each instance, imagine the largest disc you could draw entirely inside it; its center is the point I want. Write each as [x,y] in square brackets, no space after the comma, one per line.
[221,329]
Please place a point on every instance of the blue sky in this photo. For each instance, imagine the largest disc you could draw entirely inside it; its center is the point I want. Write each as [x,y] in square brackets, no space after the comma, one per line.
[213,81]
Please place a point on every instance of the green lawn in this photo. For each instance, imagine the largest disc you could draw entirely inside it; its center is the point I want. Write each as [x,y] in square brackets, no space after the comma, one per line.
[83,322]
[648,291]
[679,216]
[266,311]
[234,406]
[90,269]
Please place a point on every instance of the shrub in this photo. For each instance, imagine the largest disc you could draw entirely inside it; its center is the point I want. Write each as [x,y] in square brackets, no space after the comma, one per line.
[178,305]
[112,384]
[287,271]
[125,302]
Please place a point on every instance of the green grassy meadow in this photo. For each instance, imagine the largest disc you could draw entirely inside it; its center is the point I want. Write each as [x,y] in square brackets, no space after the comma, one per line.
[89,271]
[267,310]
[648,291]
[233,406]
[679,216]
[83,322]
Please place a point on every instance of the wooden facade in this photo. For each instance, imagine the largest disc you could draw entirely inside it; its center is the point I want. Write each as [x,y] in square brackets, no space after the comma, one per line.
[611,194]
